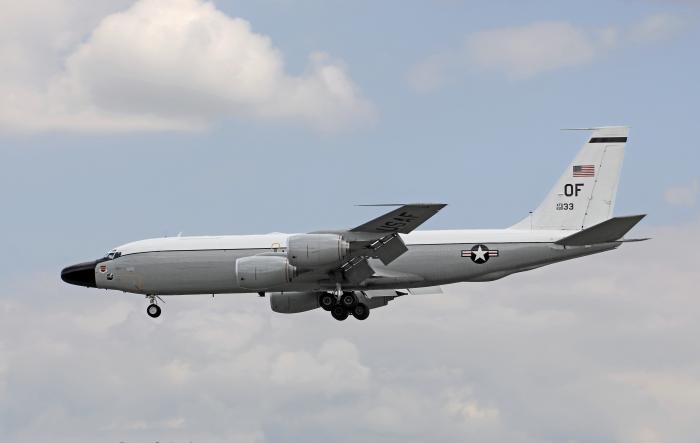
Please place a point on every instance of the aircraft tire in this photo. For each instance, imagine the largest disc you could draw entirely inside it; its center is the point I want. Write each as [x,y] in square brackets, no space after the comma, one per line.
[360,311]
[348,300]
[326,300]
[153,310]
[339,313]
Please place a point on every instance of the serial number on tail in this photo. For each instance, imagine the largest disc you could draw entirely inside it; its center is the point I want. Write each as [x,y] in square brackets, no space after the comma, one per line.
[565,207]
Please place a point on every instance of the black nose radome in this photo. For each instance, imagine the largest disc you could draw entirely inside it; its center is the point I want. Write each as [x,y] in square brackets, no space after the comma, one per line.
[82,274]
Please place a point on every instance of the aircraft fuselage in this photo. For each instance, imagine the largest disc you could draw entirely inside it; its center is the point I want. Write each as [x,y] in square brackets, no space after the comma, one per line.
[206,265]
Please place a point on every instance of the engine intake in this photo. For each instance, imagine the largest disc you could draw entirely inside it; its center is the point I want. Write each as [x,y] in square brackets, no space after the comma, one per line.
[313,250]
[263,272]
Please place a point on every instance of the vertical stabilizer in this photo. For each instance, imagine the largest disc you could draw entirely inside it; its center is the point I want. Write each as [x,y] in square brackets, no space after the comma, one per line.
[585,193]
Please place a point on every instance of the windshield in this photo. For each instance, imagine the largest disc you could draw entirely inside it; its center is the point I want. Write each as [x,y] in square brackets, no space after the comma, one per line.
[113,254]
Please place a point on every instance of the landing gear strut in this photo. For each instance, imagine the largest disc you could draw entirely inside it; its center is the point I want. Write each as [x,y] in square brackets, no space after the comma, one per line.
[153,310]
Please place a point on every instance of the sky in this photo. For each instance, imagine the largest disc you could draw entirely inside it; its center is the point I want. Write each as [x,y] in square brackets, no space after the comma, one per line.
[124,120]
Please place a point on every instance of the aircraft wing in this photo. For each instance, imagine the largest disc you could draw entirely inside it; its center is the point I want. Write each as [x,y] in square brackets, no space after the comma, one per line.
[379,238]
[401,220]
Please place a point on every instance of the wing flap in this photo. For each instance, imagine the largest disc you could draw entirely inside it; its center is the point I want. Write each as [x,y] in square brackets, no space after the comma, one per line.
[378,298]
[389,248]
[426,290]
[358,270]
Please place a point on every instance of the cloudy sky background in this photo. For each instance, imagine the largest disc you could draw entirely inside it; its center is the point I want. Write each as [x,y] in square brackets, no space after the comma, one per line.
[122,120]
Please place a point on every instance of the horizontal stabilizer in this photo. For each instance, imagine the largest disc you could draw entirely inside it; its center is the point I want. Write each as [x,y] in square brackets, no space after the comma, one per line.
[608,231]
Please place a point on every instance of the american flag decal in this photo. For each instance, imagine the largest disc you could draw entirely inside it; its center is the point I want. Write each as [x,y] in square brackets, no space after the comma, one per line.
[584,171]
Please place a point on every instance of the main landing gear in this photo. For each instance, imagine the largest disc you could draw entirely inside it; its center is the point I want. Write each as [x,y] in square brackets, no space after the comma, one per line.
[345,305]
[153,310]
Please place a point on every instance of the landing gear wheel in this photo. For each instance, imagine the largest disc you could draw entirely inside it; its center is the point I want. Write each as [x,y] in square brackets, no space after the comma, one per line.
[153,311]
[360,311]
[327,301]
[348,300]
[339,313]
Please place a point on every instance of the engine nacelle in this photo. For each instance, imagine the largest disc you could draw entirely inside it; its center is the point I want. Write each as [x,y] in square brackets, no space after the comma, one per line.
[293,302]
[261,272]
[312,250]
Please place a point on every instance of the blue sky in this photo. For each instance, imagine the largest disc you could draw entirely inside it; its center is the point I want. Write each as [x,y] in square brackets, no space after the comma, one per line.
[486,143]
[103,141]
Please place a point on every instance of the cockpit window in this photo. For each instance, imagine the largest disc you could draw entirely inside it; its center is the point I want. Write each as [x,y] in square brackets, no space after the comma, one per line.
[111,255]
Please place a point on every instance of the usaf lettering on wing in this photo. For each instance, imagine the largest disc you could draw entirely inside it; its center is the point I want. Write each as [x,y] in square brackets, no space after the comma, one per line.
[398,222]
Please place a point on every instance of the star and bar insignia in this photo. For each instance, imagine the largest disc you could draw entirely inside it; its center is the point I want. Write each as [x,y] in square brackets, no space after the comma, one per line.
[480,253]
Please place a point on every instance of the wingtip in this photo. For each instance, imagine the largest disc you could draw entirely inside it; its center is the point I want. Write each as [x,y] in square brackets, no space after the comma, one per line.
[441,205]
[596,128]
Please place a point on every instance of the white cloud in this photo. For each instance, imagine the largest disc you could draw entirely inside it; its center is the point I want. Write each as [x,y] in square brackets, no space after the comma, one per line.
[522,52]
[656,27]
[529,50]
[461,404]
[175,64]
[103,321]
[335,369]
[177,372]
[683,195]
[609,336]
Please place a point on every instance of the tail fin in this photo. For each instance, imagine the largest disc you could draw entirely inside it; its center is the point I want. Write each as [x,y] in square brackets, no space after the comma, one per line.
[585,194]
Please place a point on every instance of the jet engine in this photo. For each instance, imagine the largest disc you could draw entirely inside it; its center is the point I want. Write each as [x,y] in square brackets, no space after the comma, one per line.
[293,302]
[313,250]
[261,272]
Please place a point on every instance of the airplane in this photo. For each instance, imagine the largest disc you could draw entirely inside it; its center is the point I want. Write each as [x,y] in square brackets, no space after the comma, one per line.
[352,271]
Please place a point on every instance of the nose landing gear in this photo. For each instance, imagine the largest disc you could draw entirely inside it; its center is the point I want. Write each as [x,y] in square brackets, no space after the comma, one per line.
[153,310]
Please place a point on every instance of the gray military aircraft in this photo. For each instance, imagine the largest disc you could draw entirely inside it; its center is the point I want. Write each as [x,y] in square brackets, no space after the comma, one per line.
[351,271]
